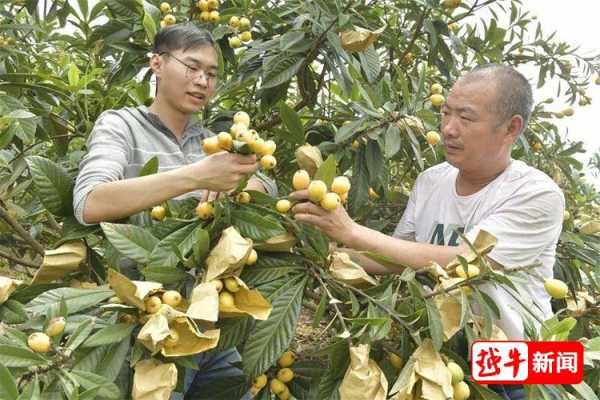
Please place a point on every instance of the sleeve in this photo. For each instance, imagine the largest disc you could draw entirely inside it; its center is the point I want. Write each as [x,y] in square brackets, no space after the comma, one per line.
[525,225]
[109,146]
[406,228]
[269,184]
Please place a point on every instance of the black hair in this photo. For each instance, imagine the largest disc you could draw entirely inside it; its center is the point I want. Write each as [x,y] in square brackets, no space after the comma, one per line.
[513,91]
[181,37]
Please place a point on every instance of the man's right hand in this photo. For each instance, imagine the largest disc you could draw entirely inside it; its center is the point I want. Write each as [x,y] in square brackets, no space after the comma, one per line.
[223,171]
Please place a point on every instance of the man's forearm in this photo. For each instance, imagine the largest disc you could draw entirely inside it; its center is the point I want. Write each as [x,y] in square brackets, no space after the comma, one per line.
[114,200]
[412,254]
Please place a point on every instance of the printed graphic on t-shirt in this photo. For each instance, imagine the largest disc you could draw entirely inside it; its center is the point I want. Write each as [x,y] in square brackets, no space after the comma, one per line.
[446,235]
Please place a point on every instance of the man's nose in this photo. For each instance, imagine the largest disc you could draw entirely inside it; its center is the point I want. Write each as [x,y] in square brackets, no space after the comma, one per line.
[448,127]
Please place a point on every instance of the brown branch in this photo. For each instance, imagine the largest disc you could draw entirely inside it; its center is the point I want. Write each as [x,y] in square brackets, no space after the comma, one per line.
[18,261]
[21,231]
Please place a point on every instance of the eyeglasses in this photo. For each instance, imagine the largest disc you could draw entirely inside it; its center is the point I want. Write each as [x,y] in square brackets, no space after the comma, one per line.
[192,72]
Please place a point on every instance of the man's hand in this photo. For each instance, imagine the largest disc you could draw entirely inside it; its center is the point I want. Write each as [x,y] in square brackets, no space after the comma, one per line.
[337,224]
[223,171]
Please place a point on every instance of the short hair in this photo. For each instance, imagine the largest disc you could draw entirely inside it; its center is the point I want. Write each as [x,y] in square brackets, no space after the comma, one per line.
[513,91]
[181,36]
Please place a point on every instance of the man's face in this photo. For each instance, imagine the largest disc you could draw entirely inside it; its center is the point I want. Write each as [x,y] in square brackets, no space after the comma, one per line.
[188,88]
[474,137]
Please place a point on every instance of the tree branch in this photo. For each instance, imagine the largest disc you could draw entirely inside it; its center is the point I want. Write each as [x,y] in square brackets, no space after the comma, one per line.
[18,261]
[21,231]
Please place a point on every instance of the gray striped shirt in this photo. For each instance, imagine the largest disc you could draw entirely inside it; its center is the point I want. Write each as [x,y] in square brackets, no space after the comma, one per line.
[123,141]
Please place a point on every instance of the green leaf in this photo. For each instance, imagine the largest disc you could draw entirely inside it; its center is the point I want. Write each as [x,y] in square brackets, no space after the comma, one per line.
[150,168]
[484,393]
[292,122]
[283,70]
[110,334]
[327,171]
[289,39]
[369,61]
[53,184]
[255,226]
[17,357]
[201,245]
[224,387]
[8,386]
[375,161]
[393,141]
[434,320]
[269,268]
[270,338]
[13,312]
[184,239]
[73,75]
[233,331]
[75,299]
[89,380]
[80,334]
[359,191]
[586,392]
[348,130]
[130,240]
[166,275]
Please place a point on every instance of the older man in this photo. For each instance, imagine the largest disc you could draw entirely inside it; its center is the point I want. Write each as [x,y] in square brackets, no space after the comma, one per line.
[479,187]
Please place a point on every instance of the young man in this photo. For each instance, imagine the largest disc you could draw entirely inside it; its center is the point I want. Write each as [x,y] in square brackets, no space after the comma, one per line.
[108,186]
[480,187]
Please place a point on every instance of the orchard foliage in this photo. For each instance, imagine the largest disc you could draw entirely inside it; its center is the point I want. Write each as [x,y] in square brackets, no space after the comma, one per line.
[362,81]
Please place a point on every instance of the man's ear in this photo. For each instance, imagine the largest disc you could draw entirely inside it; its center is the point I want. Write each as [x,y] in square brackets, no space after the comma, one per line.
[156,65]
[515,127]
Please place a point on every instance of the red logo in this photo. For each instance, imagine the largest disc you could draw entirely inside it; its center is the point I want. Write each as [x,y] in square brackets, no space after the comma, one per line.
[519,362]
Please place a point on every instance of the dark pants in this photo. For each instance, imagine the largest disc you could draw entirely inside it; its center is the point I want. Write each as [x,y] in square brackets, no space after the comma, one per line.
[510,392]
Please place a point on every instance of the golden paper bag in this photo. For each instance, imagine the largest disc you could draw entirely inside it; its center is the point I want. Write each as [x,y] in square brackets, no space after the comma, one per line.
[359,39]
[429,365]
[309,158]
[153,380]
[204,304]
[484,243]
[154,332]
[450,306]
[247,302]
[281,243]
[345,270]
[228,256]
[191,340]
[364,379]
[7,287]
[60,262]
[131,292]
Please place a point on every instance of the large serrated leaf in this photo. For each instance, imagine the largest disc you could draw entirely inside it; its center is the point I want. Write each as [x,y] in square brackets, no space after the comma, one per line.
[393,141]
[74,298]
[8,386]
[13,357]
[110,334]
[270,268]
[255,226]
[53,184]
[184,239]
[233,331]
[291,120]
[272,337]
[327,171]
[283,70]
[89,380]
[435,324]
[371,66]
[130,240]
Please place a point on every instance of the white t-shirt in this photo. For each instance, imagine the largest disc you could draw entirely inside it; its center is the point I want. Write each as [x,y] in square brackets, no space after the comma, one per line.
[523,208]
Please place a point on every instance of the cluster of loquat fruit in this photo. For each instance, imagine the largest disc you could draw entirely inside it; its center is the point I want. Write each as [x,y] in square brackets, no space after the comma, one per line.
[242,27]
[461,389]
[6,41]
[152,304]
[41,342]
[209,11]
[278,384]
[168,18]
[242,139]
[318,192]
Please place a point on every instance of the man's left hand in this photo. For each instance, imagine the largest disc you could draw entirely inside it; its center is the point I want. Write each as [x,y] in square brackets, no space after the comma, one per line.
[337,224]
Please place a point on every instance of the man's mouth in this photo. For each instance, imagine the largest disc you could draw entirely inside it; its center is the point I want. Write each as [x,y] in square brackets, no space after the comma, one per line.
[198,96]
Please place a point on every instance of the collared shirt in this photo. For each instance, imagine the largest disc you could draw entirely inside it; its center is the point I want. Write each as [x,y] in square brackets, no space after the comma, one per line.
[123,141]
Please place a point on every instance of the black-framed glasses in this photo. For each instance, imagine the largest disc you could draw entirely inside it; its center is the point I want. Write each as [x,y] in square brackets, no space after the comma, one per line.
[192,72]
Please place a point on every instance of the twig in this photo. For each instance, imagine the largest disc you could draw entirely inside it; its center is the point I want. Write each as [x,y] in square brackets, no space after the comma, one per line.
[18,261]
[338,314]
[21,231]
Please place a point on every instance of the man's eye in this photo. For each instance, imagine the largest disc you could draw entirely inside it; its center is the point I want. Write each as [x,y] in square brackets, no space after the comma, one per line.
[212,75]
[465,118]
